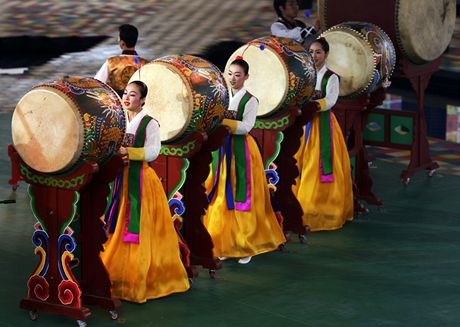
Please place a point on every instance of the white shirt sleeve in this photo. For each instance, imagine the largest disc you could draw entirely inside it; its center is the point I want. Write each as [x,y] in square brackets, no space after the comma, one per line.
[152,142]
[103,73]
[280,30]
[332,91]
[249,117]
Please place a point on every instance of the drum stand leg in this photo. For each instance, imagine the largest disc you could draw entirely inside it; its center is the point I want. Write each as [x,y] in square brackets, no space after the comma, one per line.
[420,154]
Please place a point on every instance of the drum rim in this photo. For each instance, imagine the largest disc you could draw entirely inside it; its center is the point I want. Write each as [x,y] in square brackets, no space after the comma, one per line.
[322,10]
[362,37]
[76,109]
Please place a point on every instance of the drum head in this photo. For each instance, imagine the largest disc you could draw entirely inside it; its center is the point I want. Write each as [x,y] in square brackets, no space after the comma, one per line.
[352,58]
[268,77]
[47,130]
[425,28]
[169,98]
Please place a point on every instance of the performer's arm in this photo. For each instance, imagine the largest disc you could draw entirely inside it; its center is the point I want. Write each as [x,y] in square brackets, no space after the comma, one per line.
[103,73]
[152,144]
[242,127]
[298,33]
[332,93]
[280,30]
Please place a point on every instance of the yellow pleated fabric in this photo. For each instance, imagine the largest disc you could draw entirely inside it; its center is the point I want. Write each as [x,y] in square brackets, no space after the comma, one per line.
[326,206]
[152,268]
[236,233]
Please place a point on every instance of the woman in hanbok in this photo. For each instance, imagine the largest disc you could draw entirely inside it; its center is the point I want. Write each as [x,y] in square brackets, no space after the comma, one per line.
[324,187]
[142,252]
[240,218]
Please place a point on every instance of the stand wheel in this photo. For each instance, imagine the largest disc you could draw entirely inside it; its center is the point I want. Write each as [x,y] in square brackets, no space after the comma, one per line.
[190,280]
[282,247]
[33,315]
[302,238]
[113,314]
[212,273]
[81,323]
[405,181]
[431,172]
[361,209]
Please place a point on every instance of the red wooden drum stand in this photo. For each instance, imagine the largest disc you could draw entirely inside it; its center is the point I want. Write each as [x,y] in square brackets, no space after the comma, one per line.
[352,117]
[419,77]
[68,238]
[185,167]
[267,131]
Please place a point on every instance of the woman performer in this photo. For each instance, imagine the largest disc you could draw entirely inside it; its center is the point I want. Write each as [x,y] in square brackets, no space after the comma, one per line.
[142,252]
[240,218]
[324,188]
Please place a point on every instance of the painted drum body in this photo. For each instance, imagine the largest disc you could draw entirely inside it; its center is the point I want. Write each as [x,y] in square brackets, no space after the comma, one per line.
[281,73]
[56,125]
[362,55]
[185,94]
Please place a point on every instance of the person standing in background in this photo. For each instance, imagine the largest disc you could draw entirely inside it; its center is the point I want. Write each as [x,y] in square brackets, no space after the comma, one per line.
[289,27]
[117,70]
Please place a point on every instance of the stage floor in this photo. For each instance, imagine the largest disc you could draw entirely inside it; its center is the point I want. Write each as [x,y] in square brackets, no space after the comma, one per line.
[395,266]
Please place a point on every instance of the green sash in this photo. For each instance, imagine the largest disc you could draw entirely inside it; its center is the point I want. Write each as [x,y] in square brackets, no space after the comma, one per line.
[325,136]
[239,150]
[134,185]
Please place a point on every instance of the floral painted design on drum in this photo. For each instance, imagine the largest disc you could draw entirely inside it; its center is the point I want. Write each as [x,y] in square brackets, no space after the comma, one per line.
[302,72]
[102,115]
[209,92]
[384,52]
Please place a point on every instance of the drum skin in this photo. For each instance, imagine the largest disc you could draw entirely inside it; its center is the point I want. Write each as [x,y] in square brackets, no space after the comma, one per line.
[362,55]
[282,73]
[59,124]
[186,94]
[421,30]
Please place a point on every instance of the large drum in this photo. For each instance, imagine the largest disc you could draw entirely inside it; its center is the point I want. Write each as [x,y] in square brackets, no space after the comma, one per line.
[59,124]
[362,55]
[281,73]
[421,30]
[185,94]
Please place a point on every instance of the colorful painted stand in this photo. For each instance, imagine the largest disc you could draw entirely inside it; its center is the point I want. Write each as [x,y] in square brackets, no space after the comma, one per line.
[68,238]
[184,167]
[288,129]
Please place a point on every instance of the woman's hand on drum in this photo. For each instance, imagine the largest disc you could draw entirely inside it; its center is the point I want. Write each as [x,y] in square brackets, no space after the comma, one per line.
[123,151]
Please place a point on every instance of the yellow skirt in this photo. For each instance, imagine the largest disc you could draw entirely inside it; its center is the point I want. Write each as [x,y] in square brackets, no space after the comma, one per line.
[237,233]
[326,206]
[152,268]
